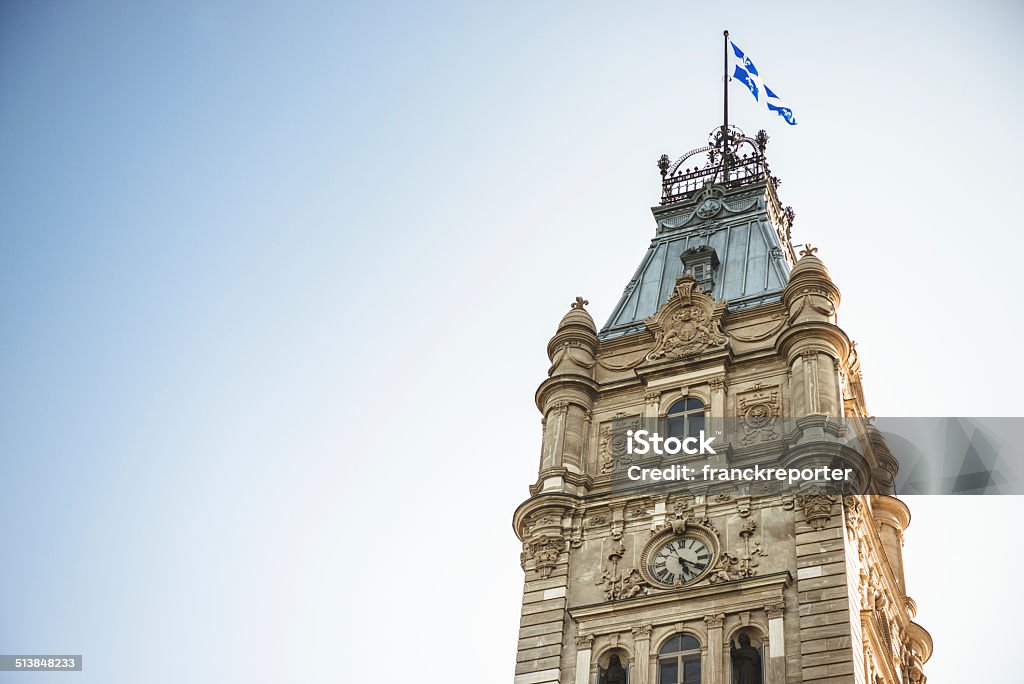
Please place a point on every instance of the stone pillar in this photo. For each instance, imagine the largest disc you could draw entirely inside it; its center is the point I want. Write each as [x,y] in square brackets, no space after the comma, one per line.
[584,644]
[718,387]
[642,649]
[892,517]
[652,404]
[775,668]
[715,415]
[716,652]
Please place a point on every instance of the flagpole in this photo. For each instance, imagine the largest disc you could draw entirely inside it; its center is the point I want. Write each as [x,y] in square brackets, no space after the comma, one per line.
[725,106]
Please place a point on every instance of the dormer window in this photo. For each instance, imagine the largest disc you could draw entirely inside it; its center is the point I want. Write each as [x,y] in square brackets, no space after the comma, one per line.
[701,262]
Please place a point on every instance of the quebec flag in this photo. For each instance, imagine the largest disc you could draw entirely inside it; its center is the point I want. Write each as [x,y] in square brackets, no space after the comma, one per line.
[746,73]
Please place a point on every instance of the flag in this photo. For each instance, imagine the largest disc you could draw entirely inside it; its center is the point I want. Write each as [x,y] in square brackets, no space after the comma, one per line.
[746,73]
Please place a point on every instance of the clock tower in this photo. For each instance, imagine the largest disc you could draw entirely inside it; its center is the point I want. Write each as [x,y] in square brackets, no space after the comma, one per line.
[727,335]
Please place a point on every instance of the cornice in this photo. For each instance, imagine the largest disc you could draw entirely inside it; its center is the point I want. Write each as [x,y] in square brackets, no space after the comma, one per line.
[742,595]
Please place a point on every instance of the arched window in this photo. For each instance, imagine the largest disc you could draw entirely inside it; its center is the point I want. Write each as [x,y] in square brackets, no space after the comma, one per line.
[679,661]
[685,418]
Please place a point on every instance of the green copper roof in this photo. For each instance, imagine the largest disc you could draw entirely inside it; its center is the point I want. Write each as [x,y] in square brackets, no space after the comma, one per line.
[748,231]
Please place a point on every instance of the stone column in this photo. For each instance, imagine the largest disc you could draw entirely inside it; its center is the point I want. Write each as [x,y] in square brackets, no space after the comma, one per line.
[716,653]
[718,387]
[584,644]
[775,668]
[642,649]
[715,415]
[652,404]
[892,517]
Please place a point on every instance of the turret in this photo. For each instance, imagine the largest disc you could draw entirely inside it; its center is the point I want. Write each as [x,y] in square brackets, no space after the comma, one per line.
[566,399]
[813,344]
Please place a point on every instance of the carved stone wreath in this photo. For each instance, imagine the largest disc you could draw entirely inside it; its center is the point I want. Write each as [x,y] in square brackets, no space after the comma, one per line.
[688,324]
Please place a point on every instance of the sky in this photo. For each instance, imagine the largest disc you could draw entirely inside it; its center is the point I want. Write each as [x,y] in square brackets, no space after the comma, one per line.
[276,281]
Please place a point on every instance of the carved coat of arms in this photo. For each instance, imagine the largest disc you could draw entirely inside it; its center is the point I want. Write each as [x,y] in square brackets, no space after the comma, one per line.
[688,324]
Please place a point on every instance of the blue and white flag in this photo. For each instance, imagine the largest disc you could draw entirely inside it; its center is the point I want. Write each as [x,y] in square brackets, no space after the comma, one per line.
[746,73]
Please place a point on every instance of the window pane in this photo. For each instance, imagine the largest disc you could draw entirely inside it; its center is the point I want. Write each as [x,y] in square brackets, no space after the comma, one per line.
[688,643]
[676,427]
[668,672]
[677,407]
[694,404]
[695,424]
[671,646]
[691,670]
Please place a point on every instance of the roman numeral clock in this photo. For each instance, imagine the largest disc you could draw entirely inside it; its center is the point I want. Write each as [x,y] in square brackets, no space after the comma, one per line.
[680,554]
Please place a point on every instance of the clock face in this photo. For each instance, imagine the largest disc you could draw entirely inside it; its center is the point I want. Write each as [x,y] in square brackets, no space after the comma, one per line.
[679,560]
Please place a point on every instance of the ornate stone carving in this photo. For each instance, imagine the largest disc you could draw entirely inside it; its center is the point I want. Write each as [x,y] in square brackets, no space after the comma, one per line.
[688,324]
[584,641]
[723,570]
[714,621]
[622,584]
[642,632]
[682,507]
[612,442]
[760,407]
[743,506]
[541,520]
[817,509]
[544,551]
[853,513]
[729,567]
[775,610]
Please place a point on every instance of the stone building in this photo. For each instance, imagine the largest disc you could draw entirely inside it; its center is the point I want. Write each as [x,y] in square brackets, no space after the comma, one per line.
[740,583]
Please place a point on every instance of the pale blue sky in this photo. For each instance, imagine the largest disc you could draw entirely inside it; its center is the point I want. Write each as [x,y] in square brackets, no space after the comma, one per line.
[241,243]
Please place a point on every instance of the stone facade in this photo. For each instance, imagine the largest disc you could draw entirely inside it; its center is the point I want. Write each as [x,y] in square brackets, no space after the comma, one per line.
[814,581]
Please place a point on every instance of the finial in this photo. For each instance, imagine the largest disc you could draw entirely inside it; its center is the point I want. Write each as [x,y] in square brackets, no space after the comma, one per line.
[579,303]
[790,214]
[762,140]
[663,163]
[808,250]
